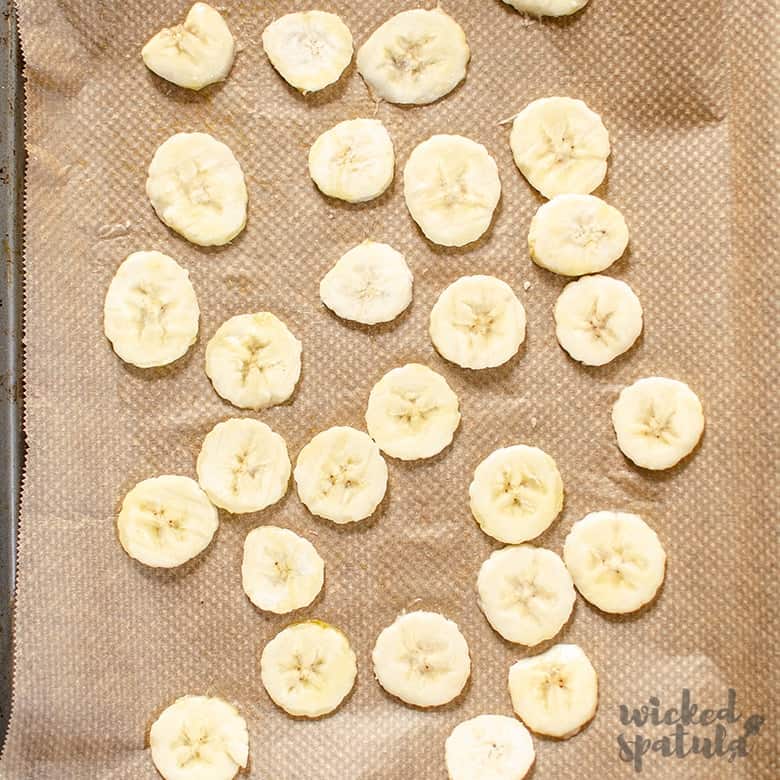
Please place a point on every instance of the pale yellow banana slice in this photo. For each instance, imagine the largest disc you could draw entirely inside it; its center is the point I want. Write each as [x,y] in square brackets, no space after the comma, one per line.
[516,493]
[616,560]
[150,314]
[197,188]
[309,49]
[416,56]
[489,747]
[597,318]
[199,738]
[412,412]
[254,361]
[423,659]
[194,54]
[478,322]
[353,161]
[281,571]
[308,668]
[560,146]
[548,7]
[657,421]
[574,235]
[451,187]
[165,521]
[371,283]
[526,593]
[555,693]
[341,475]
[243,466]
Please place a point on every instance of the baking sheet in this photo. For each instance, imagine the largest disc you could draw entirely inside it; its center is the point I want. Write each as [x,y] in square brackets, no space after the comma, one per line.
[103,644]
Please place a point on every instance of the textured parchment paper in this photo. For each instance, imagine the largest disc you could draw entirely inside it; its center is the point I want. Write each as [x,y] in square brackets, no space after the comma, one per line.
[687,91]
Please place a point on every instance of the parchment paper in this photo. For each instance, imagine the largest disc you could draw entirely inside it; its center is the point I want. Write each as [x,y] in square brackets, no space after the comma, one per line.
[687,91]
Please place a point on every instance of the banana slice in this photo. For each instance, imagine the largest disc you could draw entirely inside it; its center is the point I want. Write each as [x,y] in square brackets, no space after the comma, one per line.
[197,188]
[353,161]
[560,146]
[309,49]
[526,593]
[194,54]
[597,318]
[574,235]
[341,475]
[151,314]
[423,659]
[308,668]
[489,747]
[478,322]
[516,493]
[555,693]
[412,412]
[199,738]
[451,187]
[416,56]
[165,521]
[548,7]
[254,361]
[658,422]
[243,466]
[281,571]
[616,560]
[371,283]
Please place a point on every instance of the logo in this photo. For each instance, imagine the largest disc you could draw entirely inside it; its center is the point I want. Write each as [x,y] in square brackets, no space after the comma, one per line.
[685,730]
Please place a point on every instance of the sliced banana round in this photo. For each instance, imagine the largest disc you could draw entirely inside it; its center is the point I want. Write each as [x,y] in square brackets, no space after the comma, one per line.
[560,146]
[616,560]
[489,747]
[309,49]
[150,314]
[308,668]
[516,493]
[254,361]
[478,322]
[548,7]
[194,54]
[197,188]
[555,693]
[657,421]
[574,235]
[353,161]
[165,521]
[199,738]
[451,187]
[422,658]
[341,475]
[526,593]
[243,466]
[597,318]
[371,283]
[412,412]
[416,56]
[281,571]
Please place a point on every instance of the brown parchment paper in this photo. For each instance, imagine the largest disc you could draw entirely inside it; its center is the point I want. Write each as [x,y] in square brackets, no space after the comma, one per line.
[687,91]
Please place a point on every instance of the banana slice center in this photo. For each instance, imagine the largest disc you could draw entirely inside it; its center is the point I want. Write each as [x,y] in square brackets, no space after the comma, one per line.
[162,522]
[194,183]
[525,593]
[656,425]
[453,190]
[150,309]
[342,477]
[413,408]
[190,744]
[253,355]
[477,318]
[597,323]
[518,492]
[617,565]
[245,466]
[407,56]
[303,672]
[421,663]
[588,234]
[554,687]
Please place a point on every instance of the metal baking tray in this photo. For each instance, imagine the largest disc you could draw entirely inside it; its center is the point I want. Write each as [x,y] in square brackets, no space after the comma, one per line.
[11,350]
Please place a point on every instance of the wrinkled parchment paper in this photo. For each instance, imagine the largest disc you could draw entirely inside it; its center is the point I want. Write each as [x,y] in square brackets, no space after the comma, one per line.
[103,644]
